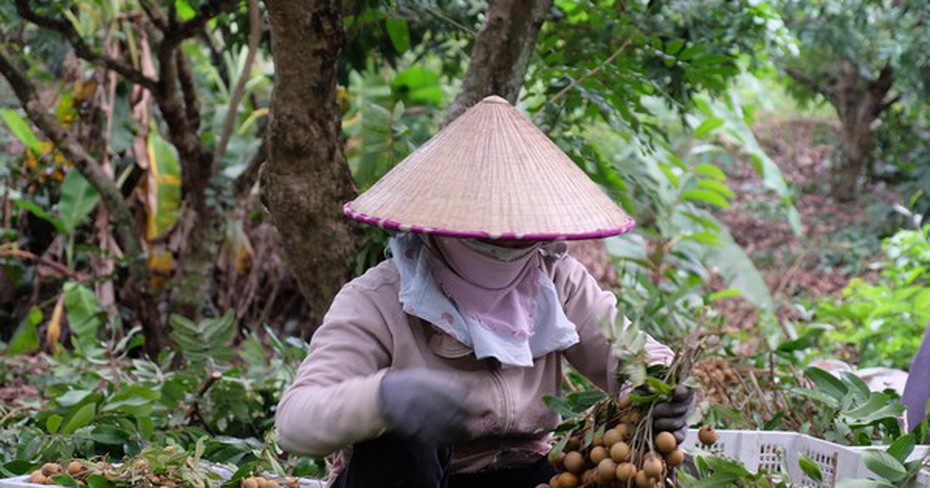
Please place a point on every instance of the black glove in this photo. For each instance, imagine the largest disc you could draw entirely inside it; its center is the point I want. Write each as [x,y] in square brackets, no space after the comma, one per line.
[671,416]
[424,405]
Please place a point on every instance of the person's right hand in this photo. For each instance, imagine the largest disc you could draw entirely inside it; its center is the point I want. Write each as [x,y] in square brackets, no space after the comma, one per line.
[425,405]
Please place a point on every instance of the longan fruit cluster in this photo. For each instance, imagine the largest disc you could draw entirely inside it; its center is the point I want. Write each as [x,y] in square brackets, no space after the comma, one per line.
[263,482]
[43,475]
[613,459]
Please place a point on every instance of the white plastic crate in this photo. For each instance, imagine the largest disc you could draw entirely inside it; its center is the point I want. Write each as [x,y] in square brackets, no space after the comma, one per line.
[779,452]
[23,482]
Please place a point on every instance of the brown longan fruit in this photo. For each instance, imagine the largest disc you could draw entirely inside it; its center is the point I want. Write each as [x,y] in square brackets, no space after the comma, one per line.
[606,471]
[653,468]
[599,454]
[574,462]
[611,437]
[267,483]
[557,460]
[249,482]
[38,478]
[624,430]
[675,458]
[542,485]
[49,469]
[625,472]
[567,480]
[587,478]
[573,444]
[554,481]
[643,481]
[707,435]
[620,452]
[665,442]
[75,467]
[624,403]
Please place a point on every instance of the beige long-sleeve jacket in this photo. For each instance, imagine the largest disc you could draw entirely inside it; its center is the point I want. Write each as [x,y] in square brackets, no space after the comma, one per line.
[333,401]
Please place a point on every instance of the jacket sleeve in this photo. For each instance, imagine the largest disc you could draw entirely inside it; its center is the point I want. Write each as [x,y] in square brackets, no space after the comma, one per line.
[333,401]
[590,308]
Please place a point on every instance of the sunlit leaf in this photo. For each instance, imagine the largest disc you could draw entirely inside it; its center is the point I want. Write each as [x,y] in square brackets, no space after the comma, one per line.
[20,128]
[162,194]
[399,33]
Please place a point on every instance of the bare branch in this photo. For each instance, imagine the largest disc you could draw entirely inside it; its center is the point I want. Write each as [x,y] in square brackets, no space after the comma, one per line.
[86,164]
[255,36]
[178,32]
[81,48]
[154,14]
[191,103]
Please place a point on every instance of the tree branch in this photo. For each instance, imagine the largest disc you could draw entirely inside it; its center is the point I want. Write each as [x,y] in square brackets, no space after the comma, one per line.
[86,164]
[81,48]
[502,51]
[802,79]
[154,14]
[255,36]
[177,33]
[191,103]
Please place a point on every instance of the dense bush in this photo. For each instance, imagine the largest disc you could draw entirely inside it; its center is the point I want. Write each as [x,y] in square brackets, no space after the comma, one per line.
[883,322]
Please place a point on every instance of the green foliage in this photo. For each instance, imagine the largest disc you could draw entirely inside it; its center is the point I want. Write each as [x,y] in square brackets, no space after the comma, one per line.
[26,338]
[870,34]
[206,341]
[135,407]
[884,322]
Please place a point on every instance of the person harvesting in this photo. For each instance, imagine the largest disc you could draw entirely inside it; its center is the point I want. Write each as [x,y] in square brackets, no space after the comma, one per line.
[429,370]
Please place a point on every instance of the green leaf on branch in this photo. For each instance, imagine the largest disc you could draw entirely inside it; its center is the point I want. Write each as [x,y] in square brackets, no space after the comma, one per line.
[78,200]
[707,127]
[706,196]
[399,33]
[879,407]
[53,423]
[856,483]
[20,128]
[82,417]
[826,382]
[810,468]
[26,337]
[884,465]
[903,447]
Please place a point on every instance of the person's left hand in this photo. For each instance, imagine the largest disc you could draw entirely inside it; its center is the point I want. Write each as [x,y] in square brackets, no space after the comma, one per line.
[671,416]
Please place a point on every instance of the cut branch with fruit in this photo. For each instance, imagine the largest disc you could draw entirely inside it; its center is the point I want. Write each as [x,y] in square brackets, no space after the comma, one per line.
[612,441]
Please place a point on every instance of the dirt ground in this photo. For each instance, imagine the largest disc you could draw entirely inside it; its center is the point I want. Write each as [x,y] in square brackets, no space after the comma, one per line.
[839,240]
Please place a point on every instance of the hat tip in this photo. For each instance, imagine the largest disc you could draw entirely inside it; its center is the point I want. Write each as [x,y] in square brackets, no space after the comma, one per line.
[495,99]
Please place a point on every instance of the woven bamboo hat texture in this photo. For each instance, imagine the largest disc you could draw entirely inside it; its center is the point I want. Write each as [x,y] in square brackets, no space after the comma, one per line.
[490,174]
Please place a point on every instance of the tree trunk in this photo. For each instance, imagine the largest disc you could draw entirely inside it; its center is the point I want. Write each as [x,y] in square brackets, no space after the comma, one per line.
[859,103]
[501,53]
[306,179]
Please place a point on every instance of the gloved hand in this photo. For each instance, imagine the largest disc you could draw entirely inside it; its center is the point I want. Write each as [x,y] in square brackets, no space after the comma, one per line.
[671,416]
[425,405]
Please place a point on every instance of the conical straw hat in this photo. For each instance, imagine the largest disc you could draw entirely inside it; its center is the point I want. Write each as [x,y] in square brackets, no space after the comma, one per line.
[490,174]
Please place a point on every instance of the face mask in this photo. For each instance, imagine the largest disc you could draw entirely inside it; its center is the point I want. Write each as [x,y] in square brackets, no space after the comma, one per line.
[500,253]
